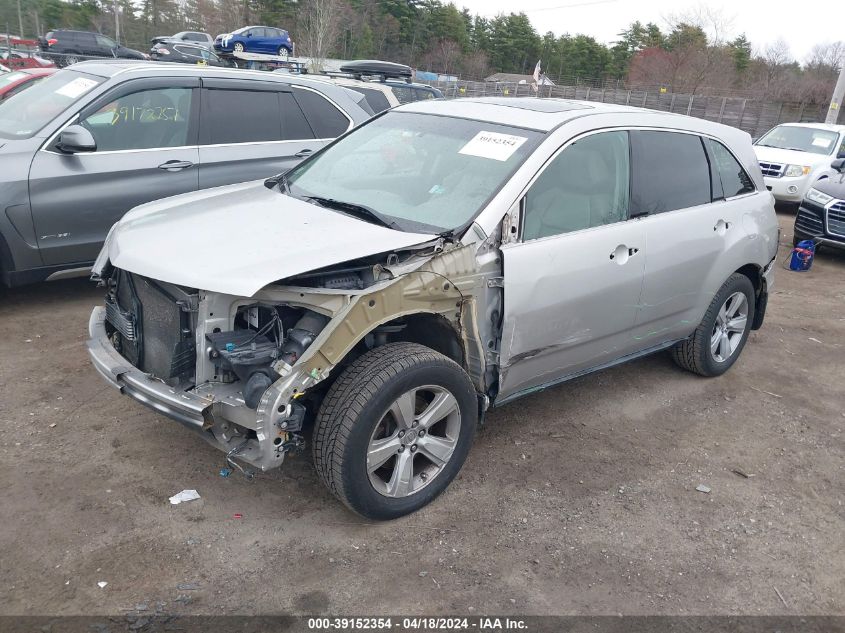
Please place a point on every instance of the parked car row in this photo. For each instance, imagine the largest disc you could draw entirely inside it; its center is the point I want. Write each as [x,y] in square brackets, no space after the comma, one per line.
[802,165]
[277,260]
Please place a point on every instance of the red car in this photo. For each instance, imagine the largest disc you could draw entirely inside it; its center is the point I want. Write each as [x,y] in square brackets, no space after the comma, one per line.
[23,59]
[12,83]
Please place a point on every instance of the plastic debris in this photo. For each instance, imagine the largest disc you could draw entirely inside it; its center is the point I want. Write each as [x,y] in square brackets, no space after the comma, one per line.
[225,472]
[102,584]
[185,495]
[237,515]
[703,488]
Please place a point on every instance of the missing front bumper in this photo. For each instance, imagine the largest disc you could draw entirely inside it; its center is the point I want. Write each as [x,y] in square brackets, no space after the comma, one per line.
[217,415]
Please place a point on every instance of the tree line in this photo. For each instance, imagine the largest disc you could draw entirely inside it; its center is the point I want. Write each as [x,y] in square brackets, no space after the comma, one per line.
[693,53]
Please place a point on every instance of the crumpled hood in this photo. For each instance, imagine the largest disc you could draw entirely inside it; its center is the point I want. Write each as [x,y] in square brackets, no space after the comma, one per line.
[791,157]
[239,238]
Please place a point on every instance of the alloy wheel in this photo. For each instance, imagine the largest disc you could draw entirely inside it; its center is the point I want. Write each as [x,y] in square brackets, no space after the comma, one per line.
[729,328]
[414,441]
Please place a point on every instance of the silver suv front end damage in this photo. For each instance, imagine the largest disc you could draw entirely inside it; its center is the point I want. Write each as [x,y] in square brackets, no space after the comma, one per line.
[445,293]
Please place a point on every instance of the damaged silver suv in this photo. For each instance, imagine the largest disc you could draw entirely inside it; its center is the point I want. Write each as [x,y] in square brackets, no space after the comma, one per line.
[440,259]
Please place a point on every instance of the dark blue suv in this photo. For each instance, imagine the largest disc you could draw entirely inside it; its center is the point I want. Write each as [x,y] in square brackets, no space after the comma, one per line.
[255,39]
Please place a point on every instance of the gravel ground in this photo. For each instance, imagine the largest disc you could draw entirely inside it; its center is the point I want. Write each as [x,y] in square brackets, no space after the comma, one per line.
[579,500]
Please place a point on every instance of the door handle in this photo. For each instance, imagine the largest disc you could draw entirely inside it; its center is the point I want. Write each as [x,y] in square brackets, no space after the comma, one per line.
[622,252]
[176,165]
[304,152]
[722,226]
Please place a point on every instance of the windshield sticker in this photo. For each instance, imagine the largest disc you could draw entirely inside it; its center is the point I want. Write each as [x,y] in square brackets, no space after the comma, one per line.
[822,142]
[493,145]
[77,87]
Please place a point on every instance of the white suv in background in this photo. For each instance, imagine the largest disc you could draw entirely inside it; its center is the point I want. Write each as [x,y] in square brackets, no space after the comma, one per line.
[793,155]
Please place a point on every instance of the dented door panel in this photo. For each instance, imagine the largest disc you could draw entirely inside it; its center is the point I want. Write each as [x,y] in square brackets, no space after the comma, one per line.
[570,303]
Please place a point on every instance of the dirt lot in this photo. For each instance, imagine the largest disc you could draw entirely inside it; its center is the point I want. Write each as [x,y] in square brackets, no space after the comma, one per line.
[580,500]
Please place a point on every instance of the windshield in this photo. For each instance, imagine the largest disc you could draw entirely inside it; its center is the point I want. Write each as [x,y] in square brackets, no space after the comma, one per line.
[801,139]
[426,173]
[24,114]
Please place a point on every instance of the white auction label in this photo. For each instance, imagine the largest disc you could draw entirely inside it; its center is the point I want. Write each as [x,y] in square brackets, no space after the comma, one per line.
[75,88]
[493,145]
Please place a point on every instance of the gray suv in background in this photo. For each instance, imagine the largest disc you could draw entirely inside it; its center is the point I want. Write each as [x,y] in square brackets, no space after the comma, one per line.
[87,144]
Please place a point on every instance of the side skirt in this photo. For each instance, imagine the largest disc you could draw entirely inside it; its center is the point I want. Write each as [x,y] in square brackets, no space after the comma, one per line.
[568,377]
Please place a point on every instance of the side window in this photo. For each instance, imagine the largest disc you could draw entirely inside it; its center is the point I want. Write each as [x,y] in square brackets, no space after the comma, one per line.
[735,180]
[325,119]
[190,51]
[375,98]
[670,171]
[240,116]
[105,42]
[294,124]
[586,185]
[423,94]
[145,119]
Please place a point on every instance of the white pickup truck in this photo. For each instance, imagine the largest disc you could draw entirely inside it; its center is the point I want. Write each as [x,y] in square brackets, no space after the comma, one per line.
[793,155]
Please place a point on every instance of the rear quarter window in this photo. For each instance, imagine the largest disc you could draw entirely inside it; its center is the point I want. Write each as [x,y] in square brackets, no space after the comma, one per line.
[375,98]
[670,171]
[735,180]
[325,119]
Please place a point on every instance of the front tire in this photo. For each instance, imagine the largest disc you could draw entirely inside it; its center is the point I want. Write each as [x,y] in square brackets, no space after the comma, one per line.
[720,337]
[394,430]
[238,47]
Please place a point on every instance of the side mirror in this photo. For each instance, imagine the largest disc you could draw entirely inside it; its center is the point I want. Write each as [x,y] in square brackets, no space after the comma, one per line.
[74,139]
[838,165]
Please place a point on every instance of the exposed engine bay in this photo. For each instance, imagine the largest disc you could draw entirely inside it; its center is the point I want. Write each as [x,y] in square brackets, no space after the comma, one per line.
[249,373]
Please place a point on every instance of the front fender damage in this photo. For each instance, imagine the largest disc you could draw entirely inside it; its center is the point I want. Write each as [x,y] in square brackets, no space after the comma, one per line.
[447,284]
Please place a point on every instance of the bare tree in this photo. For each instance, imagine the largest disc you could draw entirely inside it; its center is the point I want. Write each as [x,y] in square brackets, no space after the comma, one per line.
[775,58]
[318,28]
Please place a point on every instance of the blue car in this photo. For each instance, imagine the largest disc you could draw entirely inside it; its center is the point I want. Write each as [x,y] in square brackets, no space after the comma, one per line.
[255,39]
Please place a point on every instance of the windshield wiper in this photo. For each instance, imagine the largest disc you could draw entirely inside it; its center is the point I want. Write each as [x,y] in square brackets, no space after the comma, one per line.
[359,210]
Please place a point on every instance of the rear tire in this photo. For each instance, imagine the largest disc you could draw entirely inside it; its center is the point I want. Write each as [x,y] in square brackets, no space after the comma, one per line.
[720,337]
[283,52]
[394,430]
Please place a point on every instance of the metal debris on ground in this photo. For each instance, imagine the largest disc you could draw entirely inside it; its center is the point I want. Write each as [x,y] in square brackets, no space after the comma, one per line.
[188,586]
[185,495]
[703,488]
[737,471]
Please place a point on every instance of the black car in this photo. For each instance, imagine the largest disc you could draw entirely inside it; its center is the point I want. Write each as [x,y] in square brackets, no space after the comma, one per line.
[821,216]
[68,47]
[185,53]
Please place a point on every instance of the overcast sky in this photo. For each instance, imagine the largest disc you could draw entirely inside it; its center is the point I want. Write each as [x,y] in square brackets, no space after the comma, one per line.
[762,21]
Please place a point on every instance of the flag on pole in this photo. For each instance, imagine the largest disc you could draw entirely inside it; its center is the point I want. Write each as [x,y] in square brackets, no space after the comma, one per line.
[537,78]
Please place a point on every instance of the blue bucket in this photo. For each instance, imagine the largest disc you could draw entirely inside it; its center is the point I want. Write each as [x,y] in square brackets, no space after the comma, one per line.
[802,256]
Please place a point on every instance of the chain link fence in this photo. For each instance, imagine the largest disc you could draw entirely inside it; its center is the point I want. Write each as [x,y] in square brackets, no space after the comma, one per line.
[751,115]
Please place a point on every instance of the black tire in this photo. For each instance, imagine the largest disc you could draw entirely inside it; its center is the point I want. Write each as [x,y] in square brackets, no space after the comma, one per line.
[237,47]
[283,52]
[70,59]
[355,406]
[695,354]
